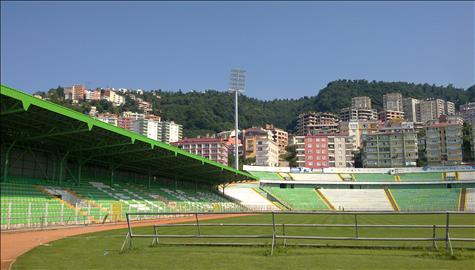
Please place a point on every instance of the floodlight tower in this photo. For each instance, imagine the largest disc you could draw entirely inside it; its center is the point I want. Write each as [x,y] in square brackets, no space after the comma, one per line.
[236,86]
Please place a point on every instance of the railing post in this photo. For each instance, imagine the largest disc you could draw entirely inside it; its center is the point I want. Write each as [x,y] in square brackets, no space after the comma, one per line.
[283,233]
[62,214]
[197,223]
[29,214]
[447,220]
[9,219]
[273,234]
[356,226]
[46,214]
[434,245]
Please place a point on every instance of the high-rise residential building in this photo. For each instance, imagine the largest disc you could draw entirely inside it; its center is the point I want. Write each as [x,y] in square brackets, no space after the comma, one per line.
[169,131]
[149,126]
[75,92]
[250,140]
[388,115]
[267,152]
[316,122]
[444,140]
[392,102]
[467,111]
[472,134]
[340,151]
[390,149]
[358,130]
[432,109]
[360,110]
[449,108]
[108,118]
[111,96]
[361,103]
[325,150]
[353,114]
[299,142]
[211,148]
[411,109]
[280,136]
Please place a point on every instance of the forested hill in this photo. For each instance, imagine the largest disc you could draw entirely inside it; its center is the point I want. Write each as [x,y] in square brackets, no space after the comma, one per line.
[213,111]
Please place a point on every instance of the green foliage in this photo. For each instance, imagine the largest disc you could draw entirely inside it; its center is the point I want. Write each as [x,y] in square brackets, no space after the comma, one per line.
[291,155]
[212,111]
[466,144]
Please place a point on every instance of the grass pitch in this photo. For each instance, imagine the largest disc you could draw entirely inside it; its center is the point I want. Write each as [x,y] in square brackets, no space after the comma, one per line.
[101,250]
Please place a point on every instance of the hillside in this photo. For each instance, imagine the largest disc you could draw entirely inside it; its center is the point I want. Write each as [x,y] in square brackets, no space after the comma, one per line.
[213,111]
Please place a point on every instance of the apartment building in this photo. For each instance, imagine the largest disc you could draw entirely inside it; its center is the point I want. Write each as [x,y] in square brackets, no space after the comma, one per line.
[411,109]
[432,109]
[353,114]
[280,136]
[169,131]
[467,111]
[251,136]
[390,149]
[108,118]
[213,149]
[388,115]
[392,102]
[75,93]
[316,122]
[358,130]
[361,102]
[444,140]
[267,152]
[324,150]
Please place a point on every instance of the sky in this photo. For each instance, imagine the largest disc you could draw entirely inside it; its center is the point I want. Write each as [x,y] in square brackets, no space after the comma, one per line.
[288,49]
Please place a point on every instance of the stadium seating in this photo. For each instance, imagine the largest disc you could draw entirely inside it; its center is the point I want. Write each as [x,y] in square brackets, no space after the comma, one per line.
[358,199]
[267,175]
[466,176]
[437,199]
[327,177]
[421,177]
[32,201]
[250,198]
[28,204]
[373,177]
[298,198]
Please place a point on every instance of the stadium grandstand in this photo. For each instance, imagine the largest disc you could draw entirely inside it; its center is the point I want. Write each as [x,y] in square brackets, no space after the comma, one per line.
[62,167]
[370,190]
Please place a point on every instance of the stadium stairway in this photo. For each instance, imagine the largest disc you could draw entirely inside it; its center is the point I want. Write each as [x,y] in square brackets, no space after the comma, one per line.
[321,177]
[465,175]
[358,199]
[469,199]
[250,198]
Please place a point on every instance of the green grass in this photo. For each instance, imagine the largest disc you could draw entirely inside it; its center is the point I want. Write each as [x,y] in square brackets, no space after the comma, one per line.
[101,250]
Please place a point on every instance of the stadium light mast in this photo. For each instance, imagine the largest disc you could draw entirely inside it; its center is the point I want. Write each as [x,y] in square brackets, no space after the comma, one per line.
[236,86]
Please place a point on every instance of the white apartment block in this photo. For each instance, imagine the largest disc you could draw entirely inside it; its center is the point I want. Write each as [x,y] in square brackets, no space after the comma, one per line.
[169,132]
[267,152]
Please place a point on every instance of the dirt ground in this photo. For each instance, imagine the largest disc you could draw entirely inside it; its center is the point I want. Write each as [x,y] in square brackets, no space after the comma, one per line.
[14,244]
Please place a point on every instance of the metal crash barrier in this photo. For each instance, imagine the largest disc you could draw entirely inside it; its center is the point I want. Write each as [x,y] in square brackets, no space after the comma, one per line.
[278,230]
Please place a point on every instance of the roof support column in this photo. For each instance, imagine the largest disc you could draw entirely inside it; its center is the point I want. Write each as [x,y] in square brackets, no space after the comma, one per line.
[149,178]
[112,176]
[61,167]
[79,173]
[7,160]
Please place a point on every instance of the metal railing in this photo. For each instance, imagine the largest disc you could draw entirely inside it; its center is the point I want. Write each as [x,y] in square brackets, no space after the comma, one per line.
[274,235]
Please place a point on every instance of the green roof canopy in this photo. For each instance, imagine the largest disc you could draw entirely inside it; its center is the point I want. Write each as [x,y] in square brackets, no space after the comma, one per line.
[43,125]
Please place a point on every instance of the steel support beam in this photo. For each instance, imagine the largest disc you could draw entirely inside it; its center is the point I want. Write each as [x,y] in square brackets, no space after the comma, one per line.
[7,160]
